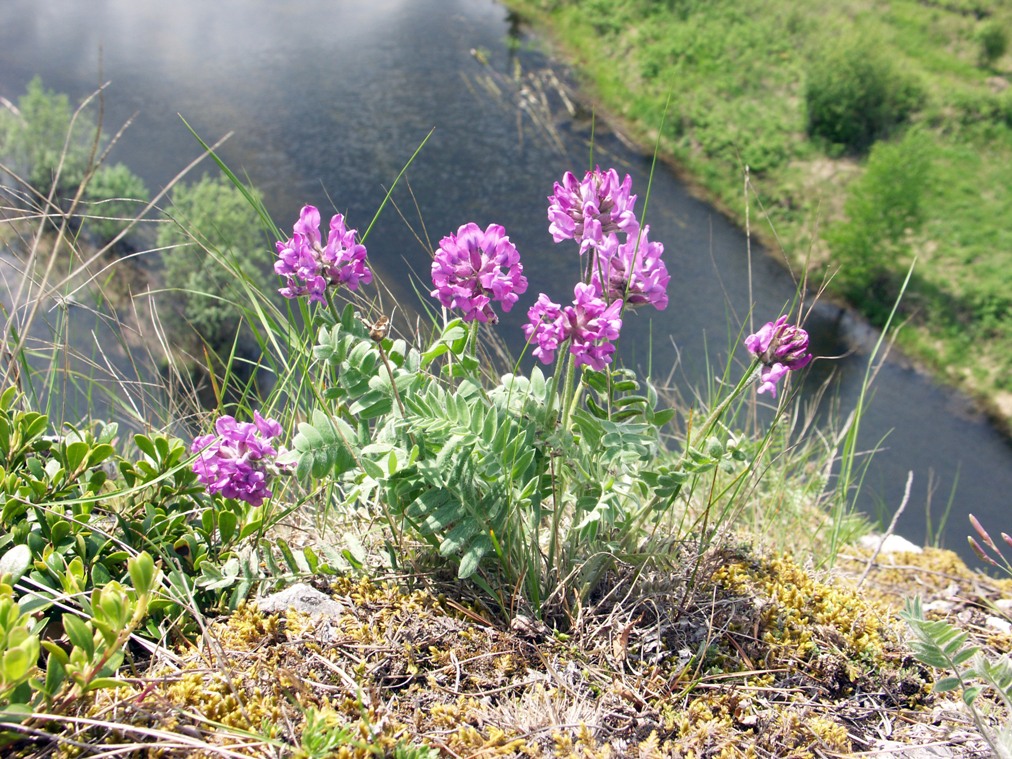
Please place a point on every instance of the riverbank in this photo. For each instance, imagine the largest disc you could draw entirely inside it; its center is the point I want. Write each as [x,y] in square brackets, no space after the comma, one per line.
[931,189]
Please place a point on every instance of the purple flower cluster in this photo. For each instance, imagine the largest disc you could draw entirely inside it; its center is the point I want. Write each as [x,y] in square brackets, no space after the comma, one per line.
[780,348]
[632,271]
[591,325]
[309,266]
[239,460]
[625,269]
[592,210]
[473,268]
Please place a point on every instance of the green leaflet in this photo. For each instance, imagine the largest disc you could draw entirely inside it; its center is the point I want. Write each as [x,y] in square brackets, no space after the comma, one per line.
[477,459]
[324,447]
[943,646]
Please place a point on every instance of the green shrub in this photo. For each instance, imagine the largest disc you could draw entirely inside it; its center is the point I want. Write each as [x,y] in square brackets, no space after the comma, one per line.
[42,143]
[116,194]
[871,247]
[855,95]
[210,225]
[34,140]
[993,40]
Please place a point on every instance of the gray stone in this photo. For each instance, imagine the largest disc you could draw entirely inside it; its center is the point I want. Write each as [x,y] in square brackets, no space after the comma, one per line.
[304,598]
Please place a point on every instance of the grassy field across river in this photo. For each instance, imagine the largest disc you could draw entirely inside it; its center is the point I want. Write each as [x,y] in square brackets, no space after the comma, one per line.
[875,134]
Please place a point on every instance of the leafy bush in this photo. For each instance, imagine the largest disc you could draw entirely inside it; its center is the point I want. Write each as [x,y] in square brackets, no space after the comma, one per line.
[993,40]
[116,195]
[855,95]
[871,249]
[40,145]
[43,142]
[214,241]
[81,530]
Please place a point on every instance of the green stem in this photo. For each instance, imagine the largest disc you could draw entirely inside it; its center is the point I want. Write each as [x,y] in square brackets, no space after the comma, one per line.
[551,397]
[333,307]
[567,405]
[718,412]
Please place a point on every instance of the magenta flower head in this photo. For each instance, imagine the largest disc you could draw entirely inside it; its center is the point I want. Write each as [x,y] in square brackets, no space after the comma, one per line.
[591,210]
[472,269]
[309,267]
[545,328]
[632,271]
[590,324]
[239,460]
[593,325]
[780,347]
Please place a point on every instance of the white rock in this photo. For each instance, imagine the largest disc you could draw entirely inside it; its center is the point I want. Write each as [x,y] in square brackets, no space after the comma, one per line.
[896,750]
[999,624]
[892,544]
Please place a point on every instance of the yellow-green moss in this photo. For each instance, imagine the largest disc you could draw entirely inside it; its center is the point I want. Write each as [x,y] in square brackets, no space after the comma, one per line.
[800,615]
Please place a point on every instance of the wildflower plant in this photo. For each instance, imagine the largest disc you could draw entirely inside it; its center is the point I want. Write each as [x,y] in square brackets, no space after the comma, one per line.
[944,646]
[530,484]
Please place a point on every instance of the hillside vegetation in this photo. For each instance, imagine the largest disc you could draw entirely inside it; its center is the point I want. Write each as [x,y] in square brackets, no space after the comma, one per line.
[874,133]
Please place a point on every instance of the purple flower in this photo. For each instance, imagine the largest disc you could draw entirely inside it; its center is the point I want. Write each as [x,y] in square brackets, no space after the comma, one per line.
[591,210]
[545,328]
[590,324]
[309,267]
[239,460]
[780,347]
[473,268]
[632,271]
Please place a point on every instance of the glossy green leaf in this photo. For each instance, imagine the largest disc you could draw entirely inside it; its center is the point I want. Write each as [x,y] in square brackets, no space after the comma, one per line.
[79,634]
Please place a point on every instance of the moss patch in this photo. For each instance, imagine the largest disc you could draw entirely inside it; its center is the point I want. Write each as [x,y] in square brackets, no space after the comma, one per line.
[756,656]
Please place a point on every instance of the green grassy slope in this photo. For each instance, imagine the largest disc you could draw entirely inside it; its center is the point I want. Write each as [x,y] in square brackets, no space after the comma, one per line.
[736,76]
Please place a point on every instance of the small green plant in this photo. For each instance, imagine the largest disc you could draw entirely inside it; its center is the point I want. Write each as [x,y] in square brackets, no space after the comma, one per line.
[46,142]
[96,638]
[115,195]
[19,644]
[323,736]
[944,646]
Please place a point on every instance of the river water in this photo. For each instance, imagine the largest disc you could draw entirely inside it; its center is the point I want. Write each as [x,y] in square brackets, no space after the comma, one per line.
[328,99]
